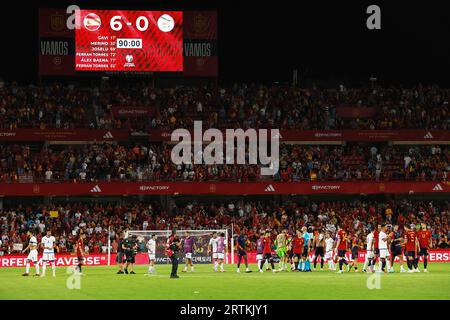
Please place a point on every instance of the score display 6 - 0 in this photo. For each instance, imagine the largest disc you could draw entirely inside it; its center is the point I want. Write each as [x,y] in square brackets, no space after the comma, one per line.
[165,23]
[112,40]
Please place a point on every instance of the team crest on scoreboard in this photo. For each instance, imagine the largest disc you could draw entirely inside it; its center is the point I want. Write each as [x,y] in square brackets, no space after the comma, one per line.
[92,22]
[201,24]
[212,188]
[57,22]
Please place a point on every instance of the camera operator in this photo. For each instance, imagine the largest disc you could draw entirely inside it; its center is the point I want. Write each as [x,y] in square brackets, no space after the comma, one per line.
[130,245]
[173,246]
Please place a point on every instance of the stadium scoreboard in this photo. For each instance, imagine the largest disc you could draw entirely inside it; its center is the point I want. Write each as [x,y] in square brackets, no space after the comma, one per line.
[113,40]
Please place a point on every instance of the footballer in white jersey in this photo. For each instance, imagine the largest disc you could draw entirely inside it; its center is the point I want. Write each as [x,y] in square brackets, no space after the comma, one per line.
[212,247]
[369,260]
[48,243]
[151,247]
[383,239]
[32,255]
[329,248]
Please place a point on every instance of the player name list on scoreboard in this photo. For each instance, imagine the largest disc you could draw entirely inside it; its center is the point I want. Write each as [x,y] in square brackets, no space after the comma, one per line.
[129,41]
[101,54]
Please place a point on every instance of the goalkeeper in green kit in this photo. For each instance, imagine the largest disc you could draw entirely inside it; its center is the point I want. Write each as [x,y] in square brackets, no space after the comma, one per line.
[281,244]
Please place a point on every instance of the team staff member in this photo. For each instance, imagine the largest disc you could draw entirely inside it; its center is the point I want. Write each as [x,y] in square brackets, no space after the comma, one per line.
[120,253]
[242,251]
[396,248]
[173,245]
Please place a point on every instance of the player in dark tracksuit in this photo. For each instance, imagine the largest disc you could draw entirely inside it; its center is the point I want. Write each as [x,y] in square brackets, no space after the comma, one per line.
[173,246]
[242,252]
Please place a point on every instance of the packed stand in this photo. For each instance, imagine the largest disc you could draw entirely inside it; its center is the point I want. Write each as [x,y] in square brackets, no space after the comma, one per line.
[152,162]
[247,216]
[244,106]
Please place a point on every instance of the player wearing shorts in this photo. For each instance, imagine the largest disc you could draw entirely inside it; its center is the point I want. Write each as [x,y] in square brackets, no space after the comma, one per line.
[369,260]
[48,243]
[281,243]
[424,236]
[412,247]
[212,247]
[221,249]
[329,247]
[267,250]
[341,248]
[32,255]
[298,243]
[318,246]
[189,248]
[260,251]
[241,245]
[396,248]
[151,251]
[383,240]
[354,245]
[79,250]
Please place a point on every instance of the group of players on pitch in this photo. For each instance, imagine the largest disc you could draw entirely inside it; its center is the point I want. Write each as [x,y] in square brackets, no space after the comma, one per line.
[48,244]
[383,245]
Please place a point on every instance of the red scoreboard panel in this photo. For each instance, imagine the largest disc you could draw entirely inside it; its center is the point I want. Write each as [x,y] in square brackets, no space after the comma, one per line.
[121,40]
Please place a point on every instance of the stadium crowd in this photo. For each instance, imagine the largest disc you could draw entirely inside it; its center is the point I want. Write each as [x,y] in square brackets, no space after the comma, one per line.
[152,162]
[246,216]
[247,106]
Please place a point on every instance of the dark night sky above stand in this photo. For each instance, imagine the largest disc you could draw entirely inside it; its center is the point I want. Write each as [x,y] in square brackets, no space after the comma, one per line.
[262,41]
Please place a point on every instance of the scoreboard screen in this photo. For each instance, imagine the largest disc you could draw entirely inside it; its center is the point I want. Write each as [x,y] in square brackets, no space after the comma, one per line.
[119,40]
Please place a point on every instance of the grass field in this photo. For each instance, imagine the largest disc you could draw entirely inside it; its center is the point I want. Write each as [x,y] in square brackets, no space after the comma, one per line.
[103,283]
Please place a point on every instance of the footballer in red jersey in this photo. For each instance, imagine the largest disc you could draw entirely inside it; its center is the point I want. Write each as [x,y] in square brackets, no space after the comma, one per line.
[297,248]
[341,248]
[376,250]
[424,236]
[267,251]
[412,246]
[79,250]
[354,246]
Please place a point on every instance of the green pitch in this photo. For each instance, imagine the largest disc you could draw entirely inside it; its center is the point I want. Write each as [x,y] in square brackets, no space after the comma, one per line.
[103,283]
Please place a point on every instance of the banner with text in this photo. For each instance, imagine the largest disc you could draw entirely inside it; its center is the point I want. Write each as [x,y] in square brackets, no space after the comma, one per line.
[132,112]
[64,135]
[56,44]
[200,44]
[66,260]
[221,188]
[431,136]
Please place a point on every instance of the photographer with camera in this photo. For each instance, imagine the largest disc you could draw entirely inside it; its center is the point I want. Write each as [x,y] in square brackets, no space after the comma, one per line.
[130,245]
[173,246]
